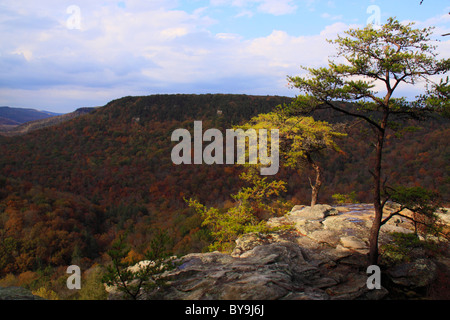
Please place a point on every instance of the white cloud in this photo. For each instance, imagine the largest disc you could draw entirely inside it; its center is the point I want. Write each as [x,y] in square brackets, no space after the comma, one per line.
[328,16]
[145,47]
[277,7]
[331,4]
[143,50]
[283,54]
[26,53]
[172,33]
[248,7]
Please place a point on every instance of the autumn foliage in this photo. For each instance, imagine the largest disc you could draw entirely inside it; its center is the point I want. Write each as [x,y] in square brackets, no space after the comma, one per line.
[67,192]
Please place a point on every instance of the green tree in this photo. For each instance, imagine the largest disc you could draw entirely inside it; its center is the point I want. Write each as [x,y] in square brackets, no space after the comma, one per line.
[93,288]
[438,97]
[258,200]
[133,277]
[390,56]
[302,141]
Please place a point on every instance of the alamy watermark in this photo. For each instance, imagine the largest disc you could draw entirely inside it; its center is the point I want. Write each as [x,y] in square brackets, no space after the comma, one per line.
[374,280]
[375,16]
[213,153]
[73,281]
[74,20]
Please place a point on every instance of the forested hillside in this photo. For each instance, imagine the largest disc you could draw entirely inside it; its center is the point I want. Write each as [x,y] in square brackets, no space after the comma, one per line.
[67,191]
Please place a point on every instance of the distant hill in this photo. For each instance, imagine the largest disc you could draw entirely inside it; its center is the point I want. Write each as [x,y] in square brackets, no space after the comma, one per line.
[22,115]
[8,122]
[9,129]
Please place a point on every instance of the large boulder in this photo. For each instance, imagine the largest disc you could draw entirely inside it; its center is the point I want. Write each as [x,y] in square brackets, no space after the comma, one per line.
[273,269]
[266,272]
[322,254]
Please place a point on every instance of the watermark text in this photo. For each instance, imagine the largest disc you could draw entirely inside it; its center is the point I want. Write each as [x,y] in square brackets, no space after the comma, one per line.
[236,142]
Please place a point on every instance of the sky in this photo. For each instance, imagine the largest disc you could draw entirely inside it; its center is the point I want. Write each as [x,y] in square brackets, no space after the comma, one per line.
[59,55]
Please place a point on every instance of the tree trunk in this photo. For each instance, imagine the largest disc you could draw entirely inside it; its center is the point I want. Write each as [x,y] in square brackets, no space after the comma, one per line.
[314,196]
[376,224]
[318,181]
[374,232]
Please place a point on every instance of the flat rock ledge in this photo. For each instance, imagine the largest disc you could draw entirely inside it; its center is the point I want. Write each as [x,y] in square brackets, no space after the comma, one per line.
[322,256]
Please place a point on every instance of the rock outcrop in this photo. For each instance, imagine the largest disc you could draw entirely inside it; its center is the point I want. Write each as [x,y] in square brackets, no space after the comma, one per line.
[17,293]
[321,255]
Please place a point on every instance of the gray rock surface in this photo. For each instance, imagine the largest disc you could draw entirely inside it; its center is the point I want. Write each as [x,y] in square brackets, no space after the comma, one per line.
[416,274]
[323,255]
[278,270]
[17,293]
[319,211]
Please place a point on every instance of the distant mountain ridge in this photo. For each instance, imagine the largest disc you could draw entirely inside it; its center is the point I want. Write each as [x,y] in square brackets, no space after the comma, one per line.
[10,127]
[22,115]
[8,122]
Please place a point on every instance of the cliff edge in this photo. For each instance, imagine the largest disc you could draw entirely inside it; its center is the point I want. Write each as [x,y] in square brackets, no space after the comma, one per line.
[322,255]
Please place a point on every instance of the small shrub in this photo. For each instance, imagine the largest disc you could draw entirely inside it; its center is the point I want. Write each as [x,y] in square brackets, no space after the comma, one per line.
[93,288]
[340,198]
[46,293]
[252,204]
[132,281]
[403,247]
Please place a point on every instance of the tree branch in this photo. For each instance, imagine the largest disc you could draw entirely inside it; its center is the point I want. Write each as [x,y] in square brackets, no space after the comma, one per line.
[397,213]
[370,121]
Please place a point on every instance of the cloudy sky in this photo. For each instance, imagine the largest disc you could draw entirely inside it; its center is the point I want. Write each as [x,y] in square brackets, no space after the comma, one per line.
[62,55]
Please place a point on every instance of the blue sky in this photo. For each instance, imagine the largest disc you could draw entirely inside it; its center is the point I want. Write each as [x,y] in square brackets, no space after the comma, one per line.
[62,55]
